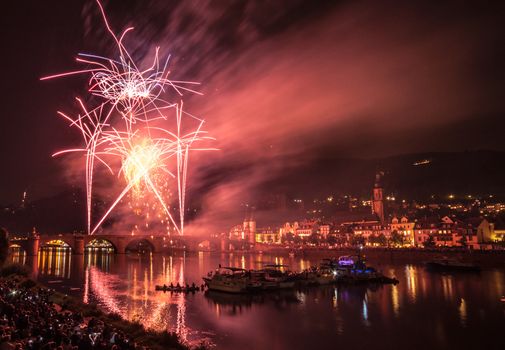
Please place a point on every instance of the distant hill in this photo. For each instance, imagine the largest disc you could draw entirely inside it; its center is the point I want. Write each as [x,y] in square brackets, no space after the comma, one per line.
[413,176]
[64,212]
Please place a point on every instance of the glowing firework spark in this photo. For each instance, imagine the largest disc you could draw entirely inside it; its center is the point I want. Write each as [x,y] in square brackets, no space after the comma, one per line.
[137,97]
[134,93]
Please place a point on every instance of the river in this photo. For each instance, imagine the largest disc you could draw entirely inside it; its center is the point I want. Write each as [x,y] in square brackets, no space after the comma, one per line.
[425,310]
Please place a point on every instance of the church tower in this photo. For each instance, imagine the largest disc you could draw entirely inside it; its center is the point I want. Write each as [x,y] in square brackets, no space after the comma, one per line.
[377,198]
[249,227]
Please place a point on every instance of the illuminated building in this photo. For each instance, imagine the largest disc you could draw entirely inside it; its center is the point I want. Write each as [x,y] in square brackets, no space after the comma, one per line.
[474,233]
[268,235]
[367,229]
[324,230]
[405,228]
[306,228]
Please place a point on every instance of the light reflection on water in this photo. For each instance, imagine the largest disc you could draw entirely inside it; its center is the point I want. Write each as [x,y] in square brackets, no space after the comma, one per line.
[449,309]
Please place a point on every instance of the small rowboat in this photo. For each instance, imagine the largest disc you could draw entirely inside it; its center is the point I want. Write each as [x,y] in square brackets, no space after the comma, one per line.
[175,289]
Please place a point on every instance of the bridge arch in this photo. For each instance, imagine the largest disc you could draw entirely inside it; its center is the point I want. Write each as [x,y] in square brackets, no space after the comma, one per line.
[16,246]
[140,245]
[17,253]
[55,243]
[101,244]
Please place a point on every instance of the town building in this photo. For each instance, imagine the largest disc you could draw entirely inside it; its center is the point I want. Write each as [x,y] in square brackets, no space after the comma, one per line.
[268,235]
[405,228]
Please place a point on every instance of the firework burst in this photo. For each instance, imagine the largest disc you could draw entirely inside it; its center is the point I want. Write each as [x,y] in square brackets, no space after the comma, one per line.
[121,129]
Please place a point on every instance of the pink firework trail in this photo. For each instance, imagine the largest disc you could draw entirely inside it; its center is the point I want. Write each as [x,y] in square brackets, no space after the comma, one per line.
[122,127]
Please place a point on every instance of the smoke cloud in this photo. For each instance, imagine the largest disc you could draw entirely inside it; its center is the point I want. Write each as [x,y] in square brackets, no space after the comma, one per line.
[287,82]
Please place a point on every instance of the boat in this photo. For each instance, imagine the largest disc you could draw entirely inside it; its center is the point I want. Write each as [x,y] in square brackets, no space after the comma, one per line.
[324,275]
[282,279]
[305,278]
[347,260]
[359,272]
[447,264]
[229,280]
[178,289]
[367,275]
[258,278]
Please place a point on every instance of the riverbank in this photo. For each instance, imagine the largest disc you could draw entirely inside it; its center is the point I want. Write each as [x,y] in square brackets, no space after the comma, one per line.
[483,258]
[36,316]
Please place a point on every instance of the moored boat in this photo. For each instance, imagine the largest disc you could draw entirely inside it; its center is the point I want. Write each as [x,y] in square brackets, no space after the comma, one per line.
[347,260]
[353,269]
[321,275]
[275,273]
[324,276]
[228,279]
[446,264]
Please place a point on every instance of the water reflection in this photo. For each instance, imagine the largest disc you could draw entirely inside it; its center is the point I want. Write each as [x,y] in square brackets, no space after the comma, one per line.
[99,258]
[133,295]
[411,274]
[447,285]
[18,255]
[55,261]
[395,300]
[125,284]
[237,304]
[462,312]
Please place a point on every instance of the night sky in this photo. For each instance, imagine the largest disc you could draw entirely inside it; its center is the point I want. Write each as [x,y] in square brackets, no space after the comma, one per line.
[285,82]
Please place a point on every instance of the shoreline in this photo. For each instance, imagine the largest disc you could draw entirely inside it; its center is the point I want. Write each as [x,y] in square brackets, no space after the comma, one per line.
[484,258]
[62,304]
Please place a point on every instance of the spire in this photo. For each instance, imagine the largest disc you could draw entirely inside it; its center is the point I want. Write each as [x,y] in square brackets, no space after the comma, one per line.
[377,197]
[378,179]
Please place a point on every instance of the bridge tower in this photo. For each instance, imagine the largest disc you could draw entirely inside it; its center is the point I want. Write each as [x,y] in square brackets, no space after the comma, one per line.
[32,244]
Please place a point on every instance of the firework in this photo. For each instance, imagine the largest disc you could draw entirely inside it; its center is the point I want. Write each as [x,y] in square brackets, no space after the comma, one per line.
[122,127]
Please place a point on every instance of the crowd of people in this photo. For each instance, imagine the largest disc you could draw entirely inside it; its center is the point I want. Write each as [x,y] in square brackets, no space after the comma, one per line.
[29,320]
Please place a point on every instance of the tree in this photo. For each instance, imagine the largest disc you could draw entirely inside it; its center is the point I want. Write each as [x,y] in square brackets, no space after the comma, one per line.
[288,238]
[381,240]
[332,240]
[462,241]
[341,239]
[397,238]
[357,240]
[430,242]
[373,239]
[314,238]
[4,245]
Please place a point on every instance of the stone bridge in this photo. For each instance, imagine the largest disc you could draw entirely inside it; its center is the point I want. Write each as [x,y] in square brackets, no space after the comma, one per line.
[78,242]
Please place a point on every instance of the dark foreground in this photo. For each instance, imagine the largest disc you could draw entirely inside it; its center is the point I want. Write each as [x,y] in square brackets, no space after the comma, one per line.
[34,317]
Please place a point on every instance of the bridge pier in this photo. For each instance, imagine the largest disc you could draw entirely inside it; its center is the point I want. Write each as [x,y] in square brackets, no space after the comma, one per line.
[78,245]
[32,245]
[120,245]
[77,269]
[32,263]
[158,243]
